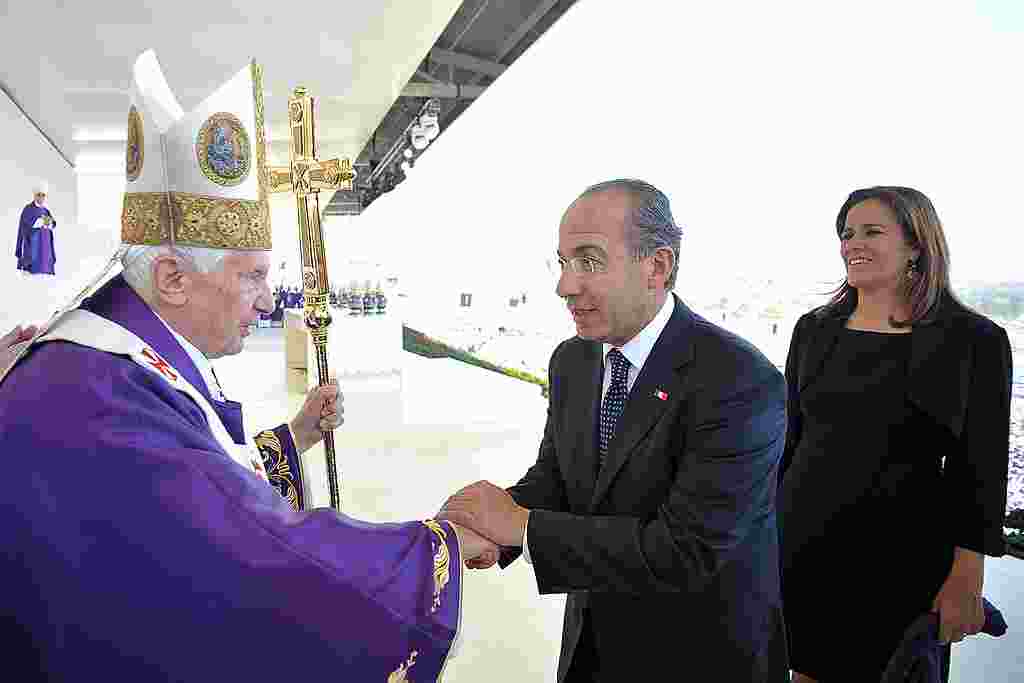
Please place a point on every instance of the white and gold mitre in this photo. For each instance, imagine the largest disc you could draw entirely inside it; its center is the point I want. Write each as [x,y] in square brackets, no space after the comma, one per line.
[196,179]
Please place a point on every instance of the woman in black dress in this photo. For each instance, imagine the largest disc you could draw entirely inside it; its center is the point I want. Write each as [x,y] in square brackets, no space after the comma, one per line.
[893,480]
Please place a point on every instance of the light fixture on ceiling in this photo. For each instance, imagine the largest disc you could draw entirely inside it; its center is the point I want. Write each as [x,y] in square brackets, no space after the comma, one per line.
[429,124]
[406,167]
[429,117]
[419,133]
[418,136]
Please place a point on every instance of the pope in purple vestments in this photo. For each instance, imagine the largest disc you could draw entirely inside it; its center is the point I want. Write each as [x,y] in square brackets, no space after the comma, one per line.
[34,248]
[135,547]
[145,536]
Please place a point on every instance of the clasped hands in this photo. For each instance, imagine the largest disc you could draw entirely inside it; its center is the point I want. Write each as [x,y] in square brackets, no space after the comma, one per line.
[486,517]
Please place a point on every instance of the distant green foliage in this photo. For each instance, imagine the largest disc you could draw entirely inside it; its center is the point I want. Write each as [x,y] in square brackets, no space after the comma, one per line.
[1015,544]
[421,344]
[1004,300]
[1015,520]
[416,342]
[1015,537]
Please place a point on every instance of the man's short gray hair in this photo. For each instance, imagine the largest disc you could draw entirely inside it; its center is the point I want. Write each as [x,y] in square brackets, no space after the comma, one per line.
[652,222]
[138,261]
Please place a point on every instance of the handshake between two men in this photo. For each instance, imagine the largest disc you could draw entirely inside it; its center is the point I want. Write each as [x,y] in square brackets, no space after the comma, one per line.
[487,517]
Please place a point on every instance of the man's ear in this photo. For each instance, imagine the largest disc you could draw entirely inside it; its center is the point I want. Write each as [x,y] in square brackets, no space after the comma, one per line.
[171,282]
[662,263]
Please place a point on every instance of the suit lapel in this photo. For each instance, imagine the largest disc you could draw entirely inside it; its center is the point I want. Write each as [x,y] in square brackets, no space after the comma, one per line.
[673,350]
[584,403]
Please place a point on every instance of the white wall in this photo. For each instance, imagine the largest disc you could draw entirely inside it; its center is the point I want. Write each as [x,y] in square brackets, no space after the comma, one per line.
[101,182]
[27,156]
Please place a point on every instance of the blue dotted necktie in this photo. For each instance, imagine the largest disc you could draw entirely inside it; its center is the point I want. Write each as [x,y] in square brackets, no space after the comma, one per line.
[614,400]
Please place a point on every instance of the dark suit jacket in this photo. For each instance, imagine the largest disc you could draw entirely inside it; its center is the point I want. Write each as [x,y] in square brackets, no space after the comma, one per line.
[960,374]
[673,548]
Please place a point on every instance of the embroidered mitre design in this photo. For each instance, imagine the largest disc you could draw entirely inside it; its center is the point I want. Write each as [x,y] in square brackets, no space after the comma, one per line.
[198,178]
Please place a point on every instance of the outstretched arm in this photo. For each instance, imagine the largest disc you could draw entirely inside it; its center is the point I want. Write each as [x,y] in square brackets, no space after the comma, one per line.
[724,489]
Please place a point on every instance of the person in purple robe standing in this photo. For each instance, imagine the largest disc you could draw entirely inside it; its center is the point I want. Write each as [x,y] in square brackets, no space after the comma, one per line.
[148,537]
[35,248]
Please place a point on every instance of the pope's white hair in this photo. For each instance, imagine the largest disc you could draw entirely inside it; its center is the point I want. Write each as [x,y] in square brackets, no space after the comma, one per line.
[40,187]
[137,263]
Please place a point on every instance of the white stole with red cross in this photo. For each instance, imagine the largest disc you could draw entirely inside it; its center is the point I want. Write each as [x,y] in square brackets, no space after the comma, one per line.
[88,329]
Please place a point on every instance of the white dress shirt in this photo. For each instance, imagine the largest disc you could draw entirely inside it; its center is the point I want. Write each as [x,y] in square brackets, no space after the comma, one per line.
[636,351]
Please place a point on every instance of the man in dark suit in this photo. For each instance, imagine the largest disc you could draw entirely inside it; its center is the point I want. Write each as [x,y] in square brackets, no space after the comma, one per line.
[652,501]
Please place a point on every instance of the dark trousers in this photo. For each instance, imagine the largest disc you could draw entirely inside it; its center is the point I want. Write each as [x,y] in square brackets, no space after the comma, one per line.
[586,666]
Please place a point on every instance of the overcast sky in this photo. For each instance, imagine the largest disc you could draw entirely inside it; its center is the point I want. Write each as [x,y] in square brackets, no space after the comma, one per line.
[757,119]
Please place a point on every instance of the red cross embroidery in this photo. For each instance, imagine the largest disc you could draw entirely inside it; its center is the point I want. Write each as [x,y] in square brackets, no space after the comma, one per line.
[160,364]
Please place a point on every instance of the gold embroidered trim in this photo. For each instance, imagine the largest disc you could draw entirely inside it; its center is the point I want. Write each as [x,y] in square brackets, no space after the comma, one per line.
[205,221]
[199,221]
[398,675]
[442,562]
[261,138]
[275,462]
[135,151]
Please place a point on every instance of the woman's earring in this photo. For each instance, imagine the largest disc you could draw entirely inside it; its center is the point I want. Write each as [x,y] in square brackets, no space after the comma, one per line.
[911,269]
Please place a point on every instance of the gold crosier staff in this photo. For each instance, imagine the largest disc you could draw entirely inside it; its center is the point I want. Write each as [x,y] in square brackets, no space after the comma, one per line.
[306,177]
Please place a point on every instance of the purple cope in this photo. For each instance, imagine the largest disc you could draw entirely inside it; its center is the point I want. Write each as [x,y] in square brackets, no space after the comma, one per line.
[136,548]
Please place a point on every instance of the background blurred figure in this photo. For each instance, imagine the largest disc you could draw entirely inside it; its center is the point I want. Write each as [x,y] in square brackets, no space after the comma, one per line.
[35,250]
[894,475]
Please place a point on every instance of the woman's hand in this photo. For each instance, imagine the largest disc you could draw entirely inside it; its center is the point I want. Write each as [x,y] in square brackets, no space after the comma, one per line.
[959,601]
[16,336]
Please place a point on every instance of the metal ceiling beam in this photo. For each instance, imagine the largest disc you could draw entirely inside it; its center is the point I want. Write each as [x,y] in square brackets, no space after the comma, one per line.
[465,29]
[467,62]
[396,147]
[476,15]
[446,90]
[423,74]
[543,8]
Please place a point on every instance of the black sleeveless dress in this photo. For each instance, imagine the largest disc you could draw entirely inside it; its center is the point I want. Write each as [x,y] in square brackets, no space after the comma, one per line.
[861,513]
